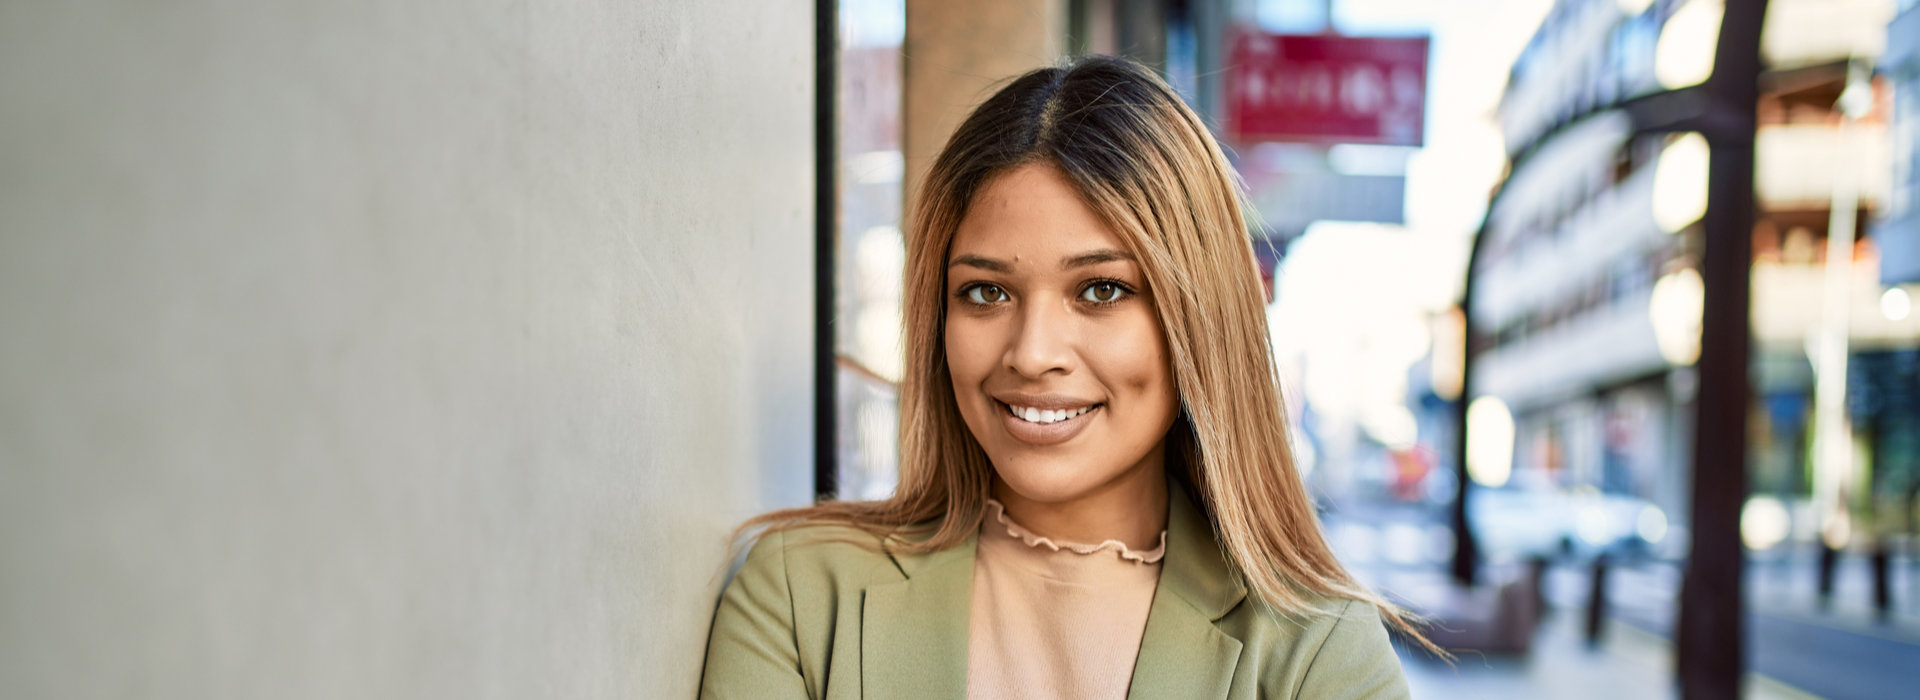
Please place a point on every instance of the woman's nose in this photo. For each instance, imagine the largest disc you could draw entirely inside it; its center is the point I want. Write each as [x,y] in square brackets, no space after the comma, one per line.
[1042,340]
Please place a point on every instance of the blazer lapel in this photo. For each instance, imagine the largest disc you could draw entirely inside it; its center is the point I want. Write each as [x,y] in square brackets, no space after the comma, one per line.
[913,633]
[1182,654]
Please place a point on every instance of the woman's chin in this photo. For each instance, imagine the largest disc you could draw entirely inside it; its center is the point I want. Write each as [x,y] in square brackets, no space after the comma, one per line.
[1040,482]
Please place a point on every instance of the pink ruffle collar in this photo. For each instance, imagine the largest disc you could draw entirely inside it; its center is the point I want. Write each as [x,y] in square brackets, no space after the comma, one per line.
[999,513]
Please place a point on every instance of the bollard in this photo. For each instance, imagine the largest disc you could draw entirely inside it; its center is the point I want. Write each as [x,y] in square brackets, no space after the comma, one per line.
[1882,587]
[1597,600]
[1829,559]
[1537,580]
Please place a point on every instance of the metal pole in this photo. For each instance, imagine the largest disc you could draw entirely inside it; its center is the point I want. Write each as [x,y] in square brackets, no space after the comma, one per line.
[1597,602]
[1881,560]
[1710,654]
[1711,636]
[826,233]
[1833,436]
[1466,553]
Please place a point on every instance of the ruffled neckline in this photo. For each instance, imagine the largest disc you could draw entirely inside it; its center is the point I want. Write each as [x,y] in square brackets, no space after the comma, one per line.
[999,514]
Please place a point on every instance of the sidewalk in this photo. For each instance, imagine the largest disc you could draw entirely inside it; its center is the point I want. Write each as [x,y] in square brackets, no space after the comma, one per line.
[1787,586]
[1628,663]
[1796,648]
[1841,649]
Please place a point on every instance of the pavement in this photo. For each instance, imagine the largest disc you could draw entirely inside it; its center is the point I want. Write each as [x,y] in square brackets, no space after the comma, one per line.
[1840,648]
[1798,646]
[1627,663]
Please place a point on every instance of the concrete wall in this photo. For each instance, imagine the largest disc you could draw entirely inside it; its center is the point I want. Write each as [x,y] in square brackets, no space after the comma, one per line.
[365,349]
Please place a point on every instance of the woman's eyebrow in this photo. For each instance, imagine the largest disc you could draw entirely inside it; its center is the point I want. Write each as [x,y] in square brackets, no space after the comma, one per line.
[988,264]
[1094,258]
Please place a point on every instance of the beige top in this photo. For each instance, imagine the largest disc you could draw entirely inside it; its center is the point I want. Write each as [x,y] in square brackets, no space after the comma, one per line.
[1055,619]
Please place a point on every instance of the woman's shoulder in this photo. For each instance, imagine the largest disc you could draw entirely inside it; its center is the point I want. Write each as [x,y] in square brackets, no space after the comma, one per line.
[1316,618]
[1334,642]
[817,539]
[808,551]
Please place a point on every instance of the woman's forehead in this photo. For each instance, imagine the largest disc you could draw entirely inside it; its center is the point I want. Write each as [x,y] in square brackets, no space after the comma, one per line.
[1033,215]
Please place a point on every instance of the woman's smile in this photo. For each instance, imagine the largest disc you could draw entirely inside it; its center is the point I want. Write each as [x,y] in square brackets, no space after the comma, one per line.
[1045,416]
[1045,426]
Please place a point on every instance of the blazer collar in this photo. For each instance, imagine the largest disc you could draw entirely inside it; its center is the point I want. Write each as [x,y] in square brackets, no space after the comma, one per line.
[1195,569]
[1182,653]
[914,631]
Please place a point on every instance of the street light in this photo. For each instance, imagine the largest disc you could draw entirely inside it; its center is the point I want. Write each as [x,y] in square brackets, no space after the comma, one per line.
[1683,56]
[1680,183]
[1677,302]
[1489,441]
[1895,304]
[1763,523]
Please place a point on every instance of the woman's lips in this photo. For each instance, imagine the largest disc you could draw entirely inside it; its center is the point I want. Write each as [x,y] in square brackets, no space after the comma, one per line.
[1040,433]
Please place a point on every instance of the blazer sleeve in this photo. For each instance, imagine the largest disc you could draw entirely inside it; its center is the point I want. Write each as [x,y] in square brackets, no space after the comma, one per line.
[752,651]
[1355,661]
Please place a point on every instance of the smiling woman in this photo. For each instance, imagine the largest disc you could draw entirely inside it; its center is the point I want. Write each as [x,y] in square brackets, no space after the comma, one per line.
[1096,497]
[1058,361]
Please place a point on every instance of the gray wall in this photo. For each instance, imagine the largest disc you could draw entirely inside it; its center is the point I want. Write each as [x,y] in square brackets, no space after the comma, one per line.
[393,349]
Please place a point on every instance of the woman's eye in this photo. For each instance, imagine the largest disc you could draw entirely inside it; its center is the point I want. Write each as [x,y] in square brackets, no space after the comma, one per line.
[986,294]
[1103,292]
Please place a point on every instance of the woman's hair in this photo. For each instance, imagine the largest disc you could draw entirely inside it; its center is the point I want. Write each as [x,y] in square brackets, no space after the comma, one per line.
[1150,169]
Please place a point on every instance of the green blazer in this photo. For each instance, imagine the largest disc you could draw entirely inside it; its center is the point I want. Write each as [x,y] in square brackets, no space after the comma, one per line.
[812,615]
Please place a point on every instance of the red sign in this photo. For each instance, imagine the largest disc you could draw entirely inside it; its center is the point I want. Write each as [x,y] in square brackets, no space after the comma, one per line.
[1326,88]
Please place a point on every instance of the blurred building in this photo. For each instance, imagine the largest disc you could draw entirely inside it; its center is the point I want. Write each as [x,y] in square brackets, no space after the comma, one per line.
[1893,401]
[1899,233]
[1824,171]
[1587,296]
[1570,363]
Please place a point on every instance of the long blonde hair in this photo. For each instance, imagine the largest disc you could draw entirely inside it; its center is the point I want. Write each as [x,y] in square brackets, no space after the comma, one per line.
[1147,165]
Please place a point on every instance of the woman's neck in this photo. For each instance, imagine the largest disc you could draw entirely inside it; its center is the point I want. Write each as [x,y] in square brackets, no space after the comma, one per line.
[1132,509]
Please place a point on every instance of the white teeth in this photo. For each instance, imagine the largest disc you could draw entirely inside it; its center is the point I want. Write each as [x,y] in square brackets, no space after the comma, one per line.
[1043,417]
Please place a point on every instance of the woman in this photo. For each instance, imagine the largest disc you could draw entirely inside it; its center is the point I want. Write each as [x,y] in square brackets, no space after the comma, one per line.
[1096,497]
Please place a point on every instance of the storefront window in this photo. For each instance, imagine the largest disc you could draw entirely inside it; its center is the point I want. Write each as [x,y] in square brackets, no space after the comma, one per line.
[870,252]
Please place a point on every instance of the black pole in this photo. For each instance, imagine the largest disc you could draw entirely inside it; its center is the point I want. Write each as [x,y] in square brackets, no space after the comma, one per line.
[1877,556]
[1466,554]
[826,217]
[1597,601]
[1882,560]
[1829,560]
[1712,627]
[1537,580]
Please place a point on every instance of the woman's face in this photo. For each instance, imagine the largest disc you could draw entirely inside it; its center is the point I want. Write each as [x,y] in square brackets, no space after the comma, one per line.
[1058,360]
